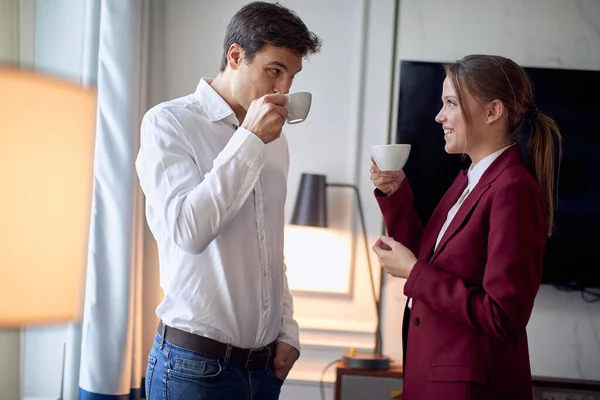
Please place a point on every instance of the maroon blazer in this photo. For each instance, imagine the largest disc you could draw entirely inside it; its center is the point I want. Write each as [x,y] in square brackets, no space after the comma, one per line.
[473,295]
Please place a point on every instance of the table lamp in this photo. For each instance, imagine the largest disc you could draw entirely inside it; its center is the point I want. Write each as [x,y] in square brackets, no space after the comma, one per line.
[311,210]
[47,133]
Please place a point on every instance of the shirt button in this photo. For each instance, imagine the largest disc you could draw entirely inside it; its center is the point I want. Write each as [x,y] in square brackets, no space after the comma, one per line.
[416,321]
[262,238]
[265,273]
[265,308]
[260,161]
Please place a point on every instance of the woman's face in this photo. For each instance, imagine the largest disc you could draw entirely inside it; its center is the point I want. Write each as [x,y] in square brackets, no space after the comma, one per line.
[459,139]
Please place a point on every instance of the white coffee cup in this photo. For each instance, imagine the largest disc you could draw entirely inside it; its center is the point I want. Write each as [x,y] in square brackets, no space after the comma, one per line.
[298,106]
[391,157]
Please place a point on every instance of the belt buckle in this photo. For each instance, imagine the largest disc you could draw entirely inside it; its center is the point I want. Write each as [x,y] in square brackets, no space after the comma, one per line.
[248,359]
[258,354]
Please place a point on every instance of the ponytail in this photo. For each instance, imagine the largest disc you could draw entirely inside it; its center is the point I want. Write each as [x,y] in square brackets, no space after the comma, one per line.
[541,148]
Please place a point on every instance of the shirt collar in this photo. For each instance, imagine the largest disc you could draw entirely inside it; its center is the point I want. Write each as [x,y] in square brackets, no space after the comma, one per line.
[214,105]
[476,171]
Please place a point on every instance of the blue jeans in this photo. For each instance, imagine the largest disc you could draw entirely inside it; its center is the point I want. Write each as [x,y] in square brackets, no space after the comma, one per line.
[174,373]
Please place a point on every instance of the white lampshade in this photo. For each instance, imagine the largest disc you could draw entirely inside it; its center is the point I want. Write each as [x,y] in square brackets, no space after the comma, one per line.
[47,132]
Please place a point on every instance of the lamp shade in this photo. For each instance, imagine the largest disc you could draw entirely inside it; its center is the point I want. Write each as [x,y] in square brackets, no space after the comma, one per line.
[311,202]
[46,174]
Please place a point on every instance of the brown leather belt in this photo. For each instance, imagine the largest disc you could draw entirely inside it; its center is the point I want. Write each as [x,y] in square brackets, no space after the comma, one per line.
[252,359]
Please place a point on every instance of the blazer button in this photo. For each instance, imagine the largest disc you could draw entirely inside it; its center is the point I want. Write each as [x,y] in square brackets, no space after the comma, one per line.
[416,321]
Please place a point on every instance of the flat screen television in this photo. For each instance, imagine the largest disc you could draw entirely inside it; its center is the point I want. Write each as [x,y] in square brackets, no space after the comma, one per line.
[572,99]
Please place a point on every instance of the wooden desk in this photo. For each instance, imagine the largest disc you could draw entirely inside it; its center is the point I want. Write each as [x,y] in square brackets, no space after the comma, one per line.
[395,371]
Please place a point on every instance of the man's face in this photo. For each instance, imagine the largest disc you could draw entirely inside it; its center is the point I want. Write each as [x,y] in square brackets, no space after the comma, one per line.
[271,71]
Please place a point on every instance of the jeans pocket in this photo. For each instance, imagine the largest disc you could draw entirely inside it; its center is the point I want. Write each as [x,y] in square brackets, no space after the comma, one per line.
[149,373]
[277,379]
[195,368]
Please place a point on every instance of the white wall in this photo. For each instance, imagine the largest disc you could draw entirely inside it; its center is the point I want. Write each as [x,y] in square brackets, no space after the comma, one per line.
[535,33]
[564,331]
[59,38]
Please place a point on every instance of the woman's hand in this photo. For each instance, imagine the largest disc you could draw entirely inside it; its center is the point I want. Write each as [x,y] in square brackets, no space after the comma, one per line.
[394,257]
[386,181]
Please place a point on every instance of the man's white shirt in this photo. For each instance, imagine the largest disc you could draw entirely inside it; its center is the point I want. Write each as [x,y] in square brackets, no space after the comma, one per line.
[215,196]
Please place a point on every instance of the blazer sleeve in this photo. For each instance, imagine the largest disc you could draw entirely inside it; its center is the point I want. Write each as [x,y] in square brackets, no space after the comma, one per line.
[401,220]
[516,243]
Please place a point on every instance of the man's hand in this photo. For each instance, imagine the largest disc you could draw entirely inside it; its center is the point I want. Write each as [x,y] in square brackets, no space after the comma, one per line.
[266,116]
[285,357]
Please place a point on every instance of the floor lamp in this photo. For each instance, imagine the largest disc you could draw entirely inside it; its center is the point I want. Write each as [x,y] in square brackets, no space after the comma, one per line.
[311,210]
[47,134]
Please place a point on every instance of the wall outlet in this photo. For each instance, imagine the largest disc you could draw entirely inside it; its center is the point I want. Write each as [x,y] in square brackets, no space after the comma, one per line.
[566,396]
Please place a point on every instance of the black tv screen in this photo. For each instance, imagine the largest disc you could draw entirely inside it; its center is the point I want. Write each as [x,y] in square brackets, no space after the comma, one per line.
[572,99]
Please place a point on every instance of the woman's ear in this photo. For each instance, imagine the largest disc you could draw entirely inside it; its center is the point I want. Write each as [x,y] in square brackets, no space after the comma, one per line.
[494,111]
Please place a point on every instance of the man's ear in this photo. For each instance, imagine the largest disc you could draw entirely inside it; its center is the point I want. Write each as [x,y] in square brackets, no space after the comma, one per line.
[235,56]
[494,111]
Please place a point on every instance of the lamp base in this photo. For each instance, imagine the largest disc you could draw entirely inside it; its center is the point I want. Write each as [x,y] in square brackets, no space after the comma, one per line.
[360,360]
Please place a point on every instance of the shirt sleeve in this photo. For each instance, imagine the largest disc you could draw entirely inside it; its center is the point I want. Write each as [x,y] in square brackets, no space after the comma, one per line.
[195,208]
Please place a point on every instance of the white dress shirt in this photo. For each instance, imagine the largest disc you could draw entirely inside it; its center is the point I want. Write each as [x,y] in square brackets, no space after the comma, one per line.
[215,196]
[474,175]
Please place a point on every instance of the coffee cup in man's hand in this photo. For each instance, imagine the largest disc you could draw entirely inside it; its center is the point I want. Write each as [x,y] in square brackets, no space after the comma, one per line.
[298,106]
[265,117]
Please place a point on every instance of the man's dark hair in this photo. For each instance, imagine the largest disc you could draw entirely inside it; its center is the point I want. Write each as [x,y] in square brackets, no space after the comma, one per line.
[260,23]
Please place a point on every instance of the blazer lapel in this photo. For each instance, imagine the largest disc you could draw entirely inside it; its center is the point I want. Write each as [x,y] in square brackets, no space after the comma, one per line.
[506,159]
[438,217]
[461,217]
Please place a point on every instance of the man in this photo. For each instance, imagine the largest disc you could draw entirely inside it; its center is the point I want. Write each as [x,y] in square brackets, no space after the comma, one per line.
[213,168]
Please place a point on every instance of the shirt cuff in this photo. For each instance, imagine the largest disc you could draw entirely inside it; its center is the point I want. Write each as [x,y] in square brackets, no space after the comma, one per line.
[295,343]
[245,146]
[290,334]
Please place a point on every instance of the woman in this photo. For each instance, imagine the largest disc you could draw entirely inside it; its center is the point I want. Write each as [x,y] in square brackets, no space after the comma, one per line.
[473,272]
